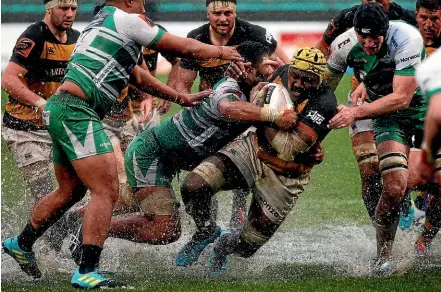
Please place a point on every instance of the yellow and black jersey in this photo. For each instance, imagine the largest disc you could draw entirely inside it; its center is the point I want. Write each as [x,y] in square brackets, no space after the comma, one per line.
[212,70]
[45,59]
[433,47]
[314,111]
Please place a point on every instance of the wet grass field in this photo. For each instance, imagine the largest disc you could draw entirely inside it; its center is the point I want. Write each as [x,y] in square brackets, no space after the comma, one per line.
[324,245]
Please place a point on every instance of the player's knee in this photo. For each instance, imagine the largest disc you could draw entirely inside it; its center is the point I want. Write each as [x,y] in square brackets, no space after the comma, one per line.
[194,187]
[159,202]
[392,166]
[251,240]
[366,154]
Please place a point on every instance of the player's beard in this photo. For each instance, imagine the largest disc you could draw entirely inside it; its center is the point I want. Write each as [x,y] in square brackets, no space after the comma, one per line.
[223,32]
[60,24]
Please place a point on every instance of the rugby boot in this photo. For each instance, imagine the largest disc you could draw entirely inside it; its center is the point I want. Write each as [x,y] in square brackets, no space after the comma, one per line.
[423,247]
[95,280]
[26,260]
[75,240]
[192,250]
[382,268]
[218,257]
[406,221]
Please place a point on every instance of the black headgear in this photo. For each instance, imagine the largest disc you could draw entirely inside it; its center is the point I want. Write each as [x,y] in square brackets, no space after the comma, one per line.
[370,19]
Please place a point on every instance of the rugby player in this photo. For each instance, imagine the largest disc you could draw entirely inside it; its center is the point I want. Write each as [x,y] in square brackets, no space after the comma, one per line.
[345,19]
[384,56]
[252,162]
[362,135]
[104,59]
[33,74]
[429,79]
[182,142]
[224,28]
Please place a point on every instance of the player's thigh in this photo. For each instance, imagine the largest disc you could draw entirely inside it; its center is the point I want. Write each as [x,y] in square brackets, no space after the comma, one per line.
[79,139]
[146,163]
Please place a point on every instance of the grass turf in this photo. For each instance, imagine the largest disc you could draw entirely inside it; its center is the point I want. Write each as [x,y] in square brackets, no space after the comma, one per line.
[332,196]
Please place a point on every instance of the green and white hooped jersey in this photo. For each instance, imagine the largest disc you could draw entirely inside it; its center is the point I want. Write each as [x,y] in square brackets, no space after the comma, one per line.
[202,129]
[429,75]
[401,53]
[106,53]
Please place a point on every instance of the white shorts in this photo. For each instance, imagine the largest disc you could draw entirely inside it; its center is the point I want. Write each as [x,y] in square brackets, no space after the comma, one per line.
[276,194]
[28,147]
[361,125]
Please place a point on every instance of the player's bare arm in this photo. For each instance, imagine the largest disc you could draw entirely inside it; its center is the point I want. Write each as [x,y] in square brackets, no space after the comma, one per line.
[404,87]
[332,79]
[13,84]
[191,48]
[155,87]
[182,79]
[247,112]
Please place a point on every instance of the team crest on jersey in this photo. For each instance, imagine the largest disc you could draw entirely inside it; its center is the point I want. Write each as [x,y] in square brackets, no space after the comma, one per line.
[24,47]
[50,50]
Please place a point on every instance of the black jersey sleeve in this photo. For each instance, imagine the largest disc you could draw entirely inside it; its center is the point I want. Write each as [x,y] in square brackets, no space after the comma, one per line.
[259,34]
[339,24]
[319,111]
[28,47]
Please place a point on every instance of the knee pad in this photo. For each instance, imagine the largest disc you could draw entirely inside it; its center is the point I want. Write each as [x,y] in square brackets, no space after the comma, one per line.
[365,153]
[38,178]
[250,240]
[211,174]
[393,161]
[160,202]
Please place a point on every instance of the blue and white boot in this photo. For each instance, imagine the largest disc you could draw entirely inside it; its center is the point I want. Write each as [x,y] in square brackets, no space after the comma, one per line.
[191,251]
[218,262]
[26,260]
[94,280]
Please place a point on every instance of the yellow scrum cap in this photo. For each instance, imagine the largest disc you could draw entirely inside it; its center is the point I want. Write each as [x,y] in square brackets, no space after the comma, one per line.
[310,60]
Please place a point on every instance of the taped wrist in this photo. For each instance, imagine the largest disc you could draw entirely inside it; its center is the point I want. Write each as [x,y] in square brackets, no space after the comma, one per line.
[270,115]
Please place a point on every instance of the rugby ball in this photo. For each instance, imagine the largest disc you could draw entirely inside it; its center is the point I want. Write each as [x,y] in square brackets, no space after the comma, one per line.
[278,98]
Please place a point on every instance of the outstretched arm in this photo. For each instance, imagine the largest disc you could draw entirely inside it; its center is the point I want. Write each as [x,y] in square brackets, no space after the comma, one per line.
[156,88]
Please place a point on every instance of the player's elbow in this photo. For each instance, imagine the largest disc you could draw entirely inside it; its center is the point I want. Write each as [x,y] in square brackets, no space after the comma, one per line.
[403,101]
[226,109]
[8,81]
